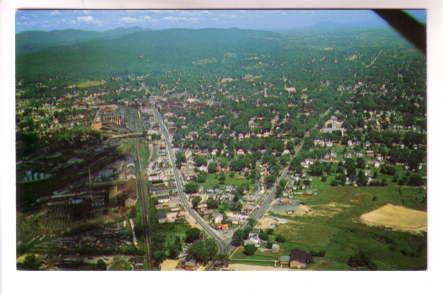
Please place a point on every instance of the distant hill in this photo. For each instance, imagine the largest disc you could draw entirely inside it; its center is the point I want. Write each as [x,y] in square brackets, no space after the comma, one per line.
[142,51]
[33,41]
[81,54]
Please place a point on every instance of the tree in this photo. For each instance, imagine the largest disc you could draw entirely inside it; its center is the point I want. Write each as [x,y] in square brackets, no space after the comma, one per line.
[280,239]
[212,167]
[350,166]
[249,250]
[251,222]
[212,204]
[263,235]
[201,178]
[174,248]
[269,180]
[31,262]
[180,158]
[361,163]
[191,188]
[236,206]
[316,169]
[195,201]
[361,179]
[223,259]
[198,251]
[120,264]
[101,264]
[212,248]
[361,259]
[200,161]
[415,179]
[238,237]
[193,234]
[203,250]
[222,178]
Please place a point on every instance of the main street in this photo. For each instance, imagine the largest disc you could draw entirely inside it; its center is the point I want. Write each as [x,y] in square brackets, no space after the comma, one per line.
[223,243]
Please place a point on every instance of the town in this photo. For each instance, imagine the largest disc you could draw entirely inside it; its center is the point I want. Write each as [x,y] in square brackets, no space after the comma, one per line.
[224,168]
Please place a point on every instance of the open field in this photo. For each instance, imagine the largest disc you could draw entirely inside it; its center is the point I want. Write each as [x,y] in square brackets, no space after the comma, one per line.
[259,258]
[396,218]
[333,233]
[212,180]
[87,84]
[270,222]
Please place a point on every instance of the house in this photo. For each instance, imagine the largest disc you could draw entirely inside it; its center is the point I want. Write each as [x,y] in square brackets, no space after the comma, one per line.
[332,125]
[218,218]
[161,217]
[275,248]
[171,216]
[253,239]
[299,258]
[284,260]
[223,226]
[190,265]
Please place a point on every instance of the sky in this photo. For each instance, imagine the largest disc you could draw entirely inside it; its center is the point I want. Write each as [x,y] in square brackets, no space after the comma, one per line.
[274,20]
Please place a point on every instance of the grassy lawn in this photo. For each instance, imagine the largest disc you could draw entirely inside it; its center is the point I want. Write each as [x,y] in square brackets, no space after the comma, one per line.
[259,258]
[212,180]
[335,230]
[318,186]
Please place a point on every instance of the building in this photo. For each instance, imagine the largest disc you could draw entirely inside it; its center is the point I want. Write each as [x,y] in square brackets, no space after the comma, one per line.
[218,218]
[332,125]
[166,217]
[284,260]
[223,226]
[275,248]
[253,239]
[299,259]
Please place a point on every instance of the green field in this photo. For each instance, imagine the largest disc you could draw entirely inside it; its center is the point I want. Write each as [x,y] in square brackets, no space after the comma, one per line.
[87,84]
[318,186]
[333,235]
[259,258]
[334,231]
[212,180]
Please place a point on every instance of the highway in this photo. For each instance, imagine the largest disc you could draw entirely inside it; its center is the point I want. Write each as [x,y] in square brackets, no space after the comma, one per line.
[223,243]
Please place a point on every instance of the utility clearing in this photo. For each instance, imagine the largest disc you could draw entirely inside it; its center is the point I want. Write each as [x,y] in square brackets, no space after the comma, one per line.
[397,218]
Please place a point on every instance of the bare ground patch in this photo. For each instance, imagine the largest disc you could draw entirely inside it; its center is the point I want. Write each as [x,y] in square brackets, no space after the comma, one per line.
[396,218]
[324,210]
[270,222]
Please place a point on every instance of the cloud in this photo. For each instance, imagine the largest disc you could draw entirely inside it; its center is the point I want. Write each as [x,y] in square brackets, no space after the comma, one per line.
[128,20]
[180,19]
[87,19]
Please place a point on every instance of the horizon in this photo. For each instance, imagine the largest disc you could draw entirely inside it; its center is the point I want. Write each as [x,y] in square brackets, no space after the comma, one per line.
[270,20]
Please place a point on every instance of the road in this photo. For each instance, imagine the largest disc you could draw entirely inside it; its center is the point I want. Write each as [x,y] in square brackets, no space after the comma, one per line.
[259,212]
[223,243]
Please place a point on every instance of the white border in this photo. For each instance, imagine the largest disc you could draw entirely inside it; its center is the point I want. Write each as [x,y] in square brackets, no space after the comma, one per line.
[14,282]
